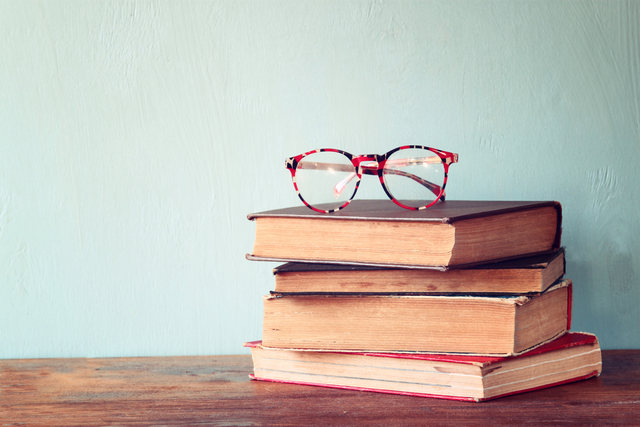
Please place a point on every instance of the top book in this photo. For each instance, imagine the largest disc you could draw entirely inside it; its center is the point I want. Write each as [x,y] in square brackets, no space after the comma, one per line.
[450,234]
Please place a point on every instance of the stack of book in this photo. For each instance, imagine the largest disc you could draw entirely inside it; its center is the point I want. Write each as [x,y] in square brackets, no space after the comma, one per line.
[465,300]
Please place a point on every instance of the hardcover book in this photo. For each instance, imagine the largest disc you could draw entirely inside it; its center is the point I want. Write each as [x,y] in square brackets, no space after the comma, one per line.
[522,276]
[499,325]
[572,357]
[377,232]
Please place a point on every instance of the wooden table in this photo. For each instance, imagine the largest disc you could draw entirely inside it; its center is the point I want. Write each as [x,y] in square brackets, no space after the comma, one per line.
[215,390]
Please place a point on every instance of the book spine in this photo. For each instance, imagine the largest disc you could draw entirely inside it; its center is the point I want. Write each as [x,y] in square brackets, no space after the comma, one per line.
[569,304]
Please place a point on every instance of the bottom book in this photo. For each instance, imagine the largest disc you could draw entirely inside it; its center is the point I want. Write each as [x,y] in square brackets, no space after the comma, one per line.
[572,357]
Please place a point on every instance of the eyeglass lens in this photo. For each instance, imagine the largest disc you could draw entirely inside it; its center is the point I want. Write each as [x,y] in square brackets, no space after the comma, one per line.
[414,176]
[326,178]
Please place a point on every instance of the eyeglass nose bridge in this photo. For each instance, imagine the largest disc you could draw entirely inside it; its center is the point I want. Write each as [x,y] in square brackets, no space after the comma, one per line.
[367,165]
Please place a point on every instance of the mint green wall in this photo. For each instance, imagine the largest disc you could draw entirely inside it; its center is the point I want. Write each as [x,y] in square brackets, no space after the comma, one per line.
[136,136]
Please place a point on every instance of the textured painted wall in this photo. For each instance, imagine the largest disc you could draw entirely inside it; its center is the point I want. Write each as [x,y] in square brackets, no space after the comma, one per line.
[135,136]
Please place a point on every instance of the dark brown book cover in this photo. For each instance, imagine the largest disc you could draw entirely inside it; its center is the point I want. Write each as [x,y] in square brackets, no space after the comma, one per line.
[448,212]
[528,262]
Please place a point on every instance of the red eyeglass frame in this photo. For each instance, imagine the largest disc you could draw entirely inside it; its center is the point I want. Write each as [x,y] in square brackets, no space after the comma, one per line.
[380,159]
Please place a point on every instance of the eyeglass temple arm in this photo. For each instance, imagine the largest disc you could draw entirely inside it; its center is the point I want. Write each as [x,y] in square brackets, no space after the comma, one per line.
[434,188]
[373,170]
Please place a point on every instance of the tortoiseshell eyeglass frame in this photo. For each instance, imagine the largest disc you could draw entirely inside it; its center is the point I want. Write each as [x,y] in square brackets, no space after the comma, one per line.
[377,168]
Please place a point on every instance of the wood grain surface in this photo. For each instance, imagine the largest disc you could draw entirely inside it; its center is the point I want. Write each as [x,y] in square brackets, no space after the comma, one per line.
[216,391]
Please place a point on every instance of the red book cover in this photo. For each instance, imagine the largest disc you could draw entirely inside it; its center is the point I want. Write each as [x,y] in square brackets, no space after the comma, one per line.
[567,341]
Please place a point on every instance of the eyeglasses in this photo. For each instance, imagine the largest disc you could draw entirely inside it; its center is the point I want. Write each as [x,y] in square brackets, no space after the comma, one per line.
[413,176]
